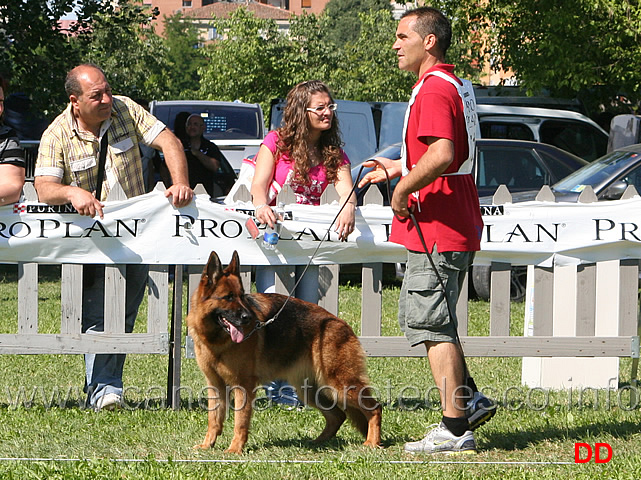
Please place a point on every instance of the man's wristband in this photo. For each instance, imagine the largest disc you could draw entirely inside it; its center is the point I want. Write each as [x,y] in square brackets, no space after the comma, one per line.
[260,206]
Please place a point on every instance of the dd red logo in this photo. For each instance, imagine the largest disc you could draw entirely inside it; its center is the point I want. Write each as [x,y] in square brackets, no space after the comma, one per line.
[586,449]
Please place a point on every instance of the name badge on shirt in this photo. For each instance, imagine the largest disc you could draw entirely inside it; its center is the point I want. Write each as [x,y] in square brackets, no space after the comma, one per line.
[123,145]
[82,164]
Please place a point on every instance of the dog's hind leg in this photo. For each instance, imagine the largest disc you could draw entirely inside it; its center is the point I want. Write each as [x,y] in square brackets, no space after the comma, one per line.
[365,413]
[334,415]
[334,418]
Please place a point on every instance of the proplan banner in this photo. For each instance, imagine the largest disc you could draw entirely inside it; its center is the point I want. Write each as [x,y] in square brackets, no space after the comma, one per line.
[148,229]
[546,234]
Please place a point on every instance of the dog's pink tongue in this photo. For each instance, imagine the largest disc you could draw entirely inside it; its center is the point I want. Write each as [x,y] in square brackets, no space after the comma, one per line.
[236,335]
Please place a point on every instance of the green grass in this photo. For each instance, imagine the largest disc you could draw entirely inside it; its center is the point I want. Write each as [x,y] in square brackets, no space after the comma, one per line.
[149,441]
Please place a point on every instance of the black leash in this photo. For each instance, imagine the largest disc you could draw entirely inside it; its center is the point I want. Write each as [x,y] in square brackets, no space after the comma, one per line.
[259,325]
[469,380]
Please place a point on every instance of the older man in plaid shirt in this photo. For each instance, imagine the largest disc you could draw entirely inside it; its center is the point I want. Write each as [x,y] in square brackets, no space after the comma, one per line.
[67,171]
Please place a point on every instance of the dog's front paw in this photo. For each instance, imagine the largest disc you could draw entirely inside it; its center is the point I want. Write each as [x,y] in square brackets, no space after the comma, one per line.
[372,444]
[202,446]
[236,446]
[235,450]
[206,445]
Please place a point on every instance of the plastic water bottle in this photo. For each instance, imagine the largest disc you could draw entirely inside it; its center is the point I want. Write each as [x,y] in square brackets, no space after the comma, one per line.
[270,239]
[271,235]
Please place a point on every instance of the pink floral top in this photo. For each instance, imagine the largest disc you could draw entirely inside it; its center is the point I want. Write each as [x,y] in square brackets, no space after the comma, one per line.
[305,193]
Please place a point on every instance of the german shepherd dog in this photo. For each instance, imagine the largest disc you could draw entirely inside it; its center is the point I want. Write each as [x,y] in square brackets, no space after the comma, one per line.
[306,345]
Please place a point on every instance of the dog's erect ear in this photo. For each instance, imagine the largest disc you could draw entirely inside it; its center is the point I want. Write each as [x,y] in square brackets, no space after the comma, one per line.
[234,265]
[213,269]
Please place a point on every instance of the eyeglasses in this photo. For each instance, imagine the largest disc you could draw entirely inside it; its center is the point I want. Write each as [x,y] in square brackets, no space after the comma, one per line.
[321,109]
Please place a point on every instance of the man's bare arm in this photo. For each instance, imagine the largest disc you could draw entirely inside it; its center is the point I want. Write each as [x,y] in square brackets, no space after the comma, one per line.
[11,183]
[51,191]
[174,154]
[430,166]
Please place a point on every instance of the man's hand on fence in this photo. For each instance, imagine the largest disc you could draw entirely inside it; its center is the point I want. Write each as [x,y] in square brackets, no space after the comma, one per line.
[85,203]
[180,194]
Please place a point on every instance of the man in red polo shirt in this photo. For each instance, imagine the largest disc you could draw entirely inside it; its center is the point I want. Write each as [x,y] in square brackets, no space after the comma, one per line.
[438,188]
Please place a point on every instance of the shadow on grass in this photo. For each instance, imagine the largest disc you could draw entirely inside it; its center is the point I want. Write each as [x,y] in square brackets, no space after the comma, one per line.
[333,444]
[521,439]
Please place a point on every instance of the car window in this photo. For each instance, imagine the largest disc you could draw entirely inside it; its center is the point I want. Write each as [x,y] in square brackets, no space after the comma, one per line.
[517,168]
[220,122]
[582,140]
[558,169]
[633,178]
[513,131]
[594,174]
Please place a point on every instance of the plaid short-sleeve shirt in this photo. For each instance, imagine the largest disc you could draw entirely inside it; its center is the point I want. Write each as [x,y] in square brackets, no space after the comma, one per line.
[71,154]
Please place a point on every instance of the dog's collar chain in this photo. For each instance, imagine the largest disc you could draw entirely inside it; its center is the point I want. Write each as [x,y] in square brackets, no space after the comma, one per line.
[258,325]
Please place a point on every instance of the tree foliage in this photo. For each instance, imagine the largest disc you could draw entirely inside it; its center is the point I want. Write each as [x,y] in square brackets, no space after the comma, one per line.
[34,52]
[344,22]
[183,55]
[576,47]
[368,70]
[37,53]
[128,50]
[568,47]
[247,62]
[310,56]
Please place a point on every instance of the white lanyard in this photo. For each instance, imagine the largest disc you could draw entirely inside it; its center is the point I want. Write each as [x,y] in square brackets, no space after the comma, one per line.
[466,92]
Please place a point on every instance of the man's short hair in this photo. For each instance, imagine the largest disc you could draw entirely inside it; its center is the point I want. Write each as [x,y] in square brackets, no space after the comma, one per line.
[432,21]
[72,84]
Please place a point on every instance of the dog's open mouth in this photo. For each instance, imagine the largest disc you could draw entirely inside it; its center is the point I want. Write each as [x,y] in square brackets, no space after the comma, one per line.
[236,335]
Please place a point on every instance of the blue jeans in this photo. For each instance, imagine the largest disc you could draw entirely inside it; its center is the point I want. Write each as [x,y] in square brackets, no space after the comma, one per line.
[104,371]
[279,391]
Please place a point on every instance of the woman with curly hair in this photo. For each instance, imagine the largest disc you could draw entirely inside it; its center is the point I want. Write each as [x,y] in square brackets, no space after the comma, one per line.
[305,153]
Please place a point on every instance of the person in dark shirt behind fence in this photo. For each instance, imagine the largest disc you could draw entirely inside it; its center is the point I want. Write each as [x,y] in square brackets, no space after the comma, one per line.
[12,162]
[203,157]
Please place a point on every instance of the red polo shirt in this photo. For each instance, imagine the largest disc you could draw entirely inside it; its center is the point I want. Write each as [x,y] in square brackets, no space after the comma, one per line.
[449,214]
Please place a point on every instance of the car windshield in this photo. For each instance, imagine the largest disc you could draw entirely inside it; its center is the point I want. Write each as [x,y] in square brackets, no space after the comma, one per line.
[221,122]
[597,172]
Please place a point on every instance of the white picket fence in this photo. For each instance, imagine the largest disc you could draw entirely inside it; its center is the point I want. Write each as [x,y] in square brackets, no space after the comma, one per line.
[163,337]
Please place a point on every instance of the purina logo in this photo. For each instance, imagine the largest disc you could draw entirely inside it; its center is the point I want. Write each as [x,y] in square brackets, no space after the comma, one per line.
[22,208]
[19,208]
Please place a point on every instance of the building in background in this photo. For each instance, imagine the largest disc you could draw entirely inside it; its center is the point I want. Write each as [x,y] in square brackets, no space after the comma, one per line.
[201,17]
[202,10]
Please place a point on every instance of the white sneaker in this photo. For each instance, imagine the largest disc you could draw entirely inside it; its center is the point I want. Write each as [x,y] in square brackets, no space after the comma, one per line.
[109,401]
[441,440]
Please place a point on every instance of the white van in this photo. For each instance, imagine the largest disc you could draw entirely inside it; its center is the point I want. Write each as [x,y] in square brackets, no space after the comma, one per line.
[567,130]
[236,128]
[370,126]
